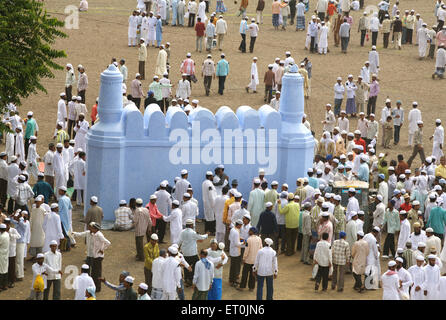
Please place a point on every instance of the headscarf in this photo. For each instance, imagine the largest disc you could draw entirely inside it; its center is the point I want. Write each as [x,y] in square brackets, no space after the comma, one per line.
[326,140]
[206,263]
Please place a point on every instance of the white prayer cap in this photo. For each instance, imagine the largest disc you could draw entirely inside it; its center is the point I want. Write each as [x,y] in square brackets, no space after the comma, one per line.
[421,244]
[39,255]
[154,236]
[143,286]
[374,75]
[257,181]
[377,229]
[209,173]
[54,206]
[94,199]
[138,201]
[156,77]
[195,101]
[350,134]
[247,216]
[237,195]
[319,172]
[399,259]
[69,65]
[419,122]
[399,250]
[328,196]
[372,150]
[137,75]
[183,172]
[419,257]
[129,279]
[62,94]
[414,103]
[239,221]
[339,78]
[176,202]
[261,171]
[391,263]
[188,54]
[381,155]
[432,195]
[310,170]
[437,121]
[342,156]
[407,171]
[285,185]
[415,203]
[313,17]
[186,195]
[357,132]
[351,190]
[274,183]
[437,188]
[429,230]
[184,75]
[391,169]
[325,214]
[412,10]
[328,105]
[337,197]
[268,204]
[360,233]
[403,212]
[85,266]
[268,241]
[153,197]
[432,256]
[360,213]
[30,113]
[373,47]
[173,249]
[63,188]
[39,198]
[53,242]
[122,202]
[221,246]
[379,197]
[350,76]
[2,226]
[79,98]
[287,53]
[188,108]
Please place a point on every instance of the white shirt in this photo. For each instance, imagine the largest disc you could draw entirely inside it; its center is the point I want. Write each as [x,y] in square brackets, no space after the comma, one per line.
[266,262]
[171,275]
[404,233]
[415,239]
[235,244]
[81,283]
[339,91]
[322,253]
[157,269]
[352,205]
[390,285]
[202,276]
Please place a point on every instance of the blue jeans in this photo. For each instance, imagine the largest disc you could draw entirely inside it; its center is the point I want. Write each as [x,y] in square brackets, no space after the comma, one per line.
[396,134]
[181,295]
[269,287]
[337,106]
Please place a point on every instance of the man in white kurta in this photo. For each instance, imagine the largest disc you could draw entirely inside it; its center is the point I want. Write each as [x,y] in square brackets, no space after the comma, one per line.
[390,283]
[181,186]
[60,177]
[405,278]
[162,7]
[209,194]
[423,40]
[81,130]
[323,39]
[82,282]
[171,275]
[78,167]
[19,145]
[204,272]
[4,256]
[374,61]
[36,226]
[176,222]
[254,76]
[151,34]
[373,256]
[52,227]
[189,209]
[431,279]
[219,205]
[404,230]
[413,118]
[133,27]
[418,278]
[157,276]
[161,62]
[33,157]
[62,111]
[352,204]
[183,88]
[438,137]
[202,11]
[256,203]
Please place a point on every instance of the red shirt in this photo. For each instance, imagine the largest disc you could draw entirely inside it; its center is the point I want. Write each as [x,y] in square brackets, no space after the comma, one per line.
[199,28]
[362,143]
[406,207]
[94,112]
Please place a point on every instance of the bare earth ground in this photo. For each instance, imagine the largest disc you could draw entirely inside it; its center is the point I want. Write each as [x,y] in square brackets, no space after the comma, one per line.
[103,35]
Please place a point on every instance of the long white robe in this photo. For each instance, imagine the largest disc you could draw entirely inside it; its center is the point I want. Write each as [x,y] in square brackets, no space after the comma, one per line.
[81,133]
[219,206]
[183,89]
[144,27]
[176,224]
[151,35]
[390,284]
[202,11]
[161,63]
[78,167]
[374,61]
[171,278]
[418,277]
[4,252]
[13,171]
[254,77]
[162,9]
[404,233]
[36,226]
[422,38]
[62,113]
[32,160]
[19,147]
[190,211]
[352,205]
[406,280]
[180,189]
[133,26]
[323,39]
[209,194]
[60,178]
[442,289]
[413,117]
[9,145]
[81,283]
[256,204]
[431,280]
[53,230]
[437,141]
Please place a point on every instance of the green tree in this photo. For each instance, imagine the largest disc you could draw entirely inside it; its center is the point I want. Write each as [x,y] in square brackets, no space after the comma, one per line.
[27,34]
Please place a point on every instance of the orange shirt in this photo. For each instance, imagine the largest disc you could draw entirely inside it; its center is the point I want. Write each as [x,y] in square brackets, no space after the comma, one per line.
[276,7]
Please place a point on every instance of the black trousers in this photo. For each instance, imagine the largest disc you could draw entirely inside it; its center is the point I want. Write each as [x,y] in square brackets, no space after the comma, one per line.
[251,44]
[386,39]
[374,37]
[312,48]
[234,270]
[70,127]
[137,101]
[321,15]
[247,273]
[322,273]
[299,241]
[191,21]
[189,275]
[440,24]
[207,84]
[371,105]
[68,93]
[160,229]
[280,235]
[3,191]
[207,6]
[96,272]
[10,205]
[148,278]
[221,84]
[409,33]
[56,289]
[26,148]
[11,270]
[358,281]
[139,243]
[82,95]
[242,46]
[3,281]
[363,33]
[389,243]
[209,226]
[291,236]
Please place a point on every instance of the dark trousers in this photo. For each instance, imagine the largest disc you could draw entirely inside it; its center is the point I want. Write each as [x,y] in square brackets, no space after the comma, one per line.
[3,191]
[160,229]
[339,282]
[89,261]
[26,148]
[3,281]
[291,236]
[247,272]
[221,84]
[431,51]
[269,287]
[70,127]
[389,243]
[207,6]
[409,33]
[234,270]
[322,273]
[142,69]
[188,275]
[96,272]
[139,242]
[268,93]
[148,278]
[207,84]
[251,44]
[358,281]
[280,235]
[416,151]
[209,226]
[363,33]
[11,270]
[371,105]
[68,93]
[386,39]
[344,43]
[191,21]
[10,205]
[312,48]
[56,289]
[137,101]
[374,37]
[440,24]
[242,46]
[396,134]
[299,241]
[321,15]
[82,95]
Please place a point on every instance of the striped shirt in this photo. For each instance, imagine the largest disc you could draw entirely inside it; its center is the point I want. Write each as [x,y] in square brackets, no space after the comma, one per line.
[188,67]
[142,221]
[341,252]
[123,217]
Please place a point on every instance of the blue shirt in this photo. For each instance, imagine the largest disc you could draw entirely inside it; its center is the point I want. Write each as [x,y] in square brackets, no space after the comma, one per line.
[20,226]
[210,30]
[222,68]
[313,182]
[437,220]
[363,172]
[243,26]
[64,207]
[300,9]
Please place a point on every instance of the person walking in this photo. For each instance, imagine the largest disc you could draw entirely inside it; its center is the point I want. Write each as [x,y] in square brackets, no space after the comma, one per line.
[266,268]
[222,73]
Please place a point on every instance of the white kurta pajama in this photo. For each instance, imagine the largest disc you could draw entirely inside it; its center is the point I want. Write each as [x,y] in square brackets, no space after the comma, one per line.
[422,38]
[62,113]
[254,77]
[133,27]
[81,283]
[81,133]
[418,278]
[19,147]
[4,252]
[209,194]
[256,205]
[32,160]
[431,280]
[323,40]
[374,62]
[36,224]
[176,224]
[60,177]
[151,34]
[202,11]
[220,227]
[390,285]
[78,168]
[171,278]
[438,141]
[413,117]
[53,229]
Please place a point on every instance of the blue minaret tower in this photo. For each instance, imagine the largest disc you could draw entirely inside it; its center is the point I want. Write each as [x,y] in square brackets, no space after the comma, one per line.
[297,143]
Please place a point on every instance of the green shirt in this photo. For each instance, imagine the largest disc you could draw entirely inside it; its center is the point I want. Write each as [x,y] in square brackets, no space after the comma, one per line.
[30,128]
[271,196]
[291,212]
[150,253]
[392,219]
[339,214]
[156,88]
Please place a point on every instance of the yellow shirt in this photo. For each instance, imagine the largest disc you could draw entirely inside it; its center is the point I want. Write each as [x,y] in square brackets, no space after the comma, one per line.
[440,171]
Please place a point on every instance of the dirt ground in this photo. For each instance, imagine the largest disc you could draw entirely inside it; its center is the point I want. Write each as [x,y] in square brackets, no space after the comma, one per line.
[102,34]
